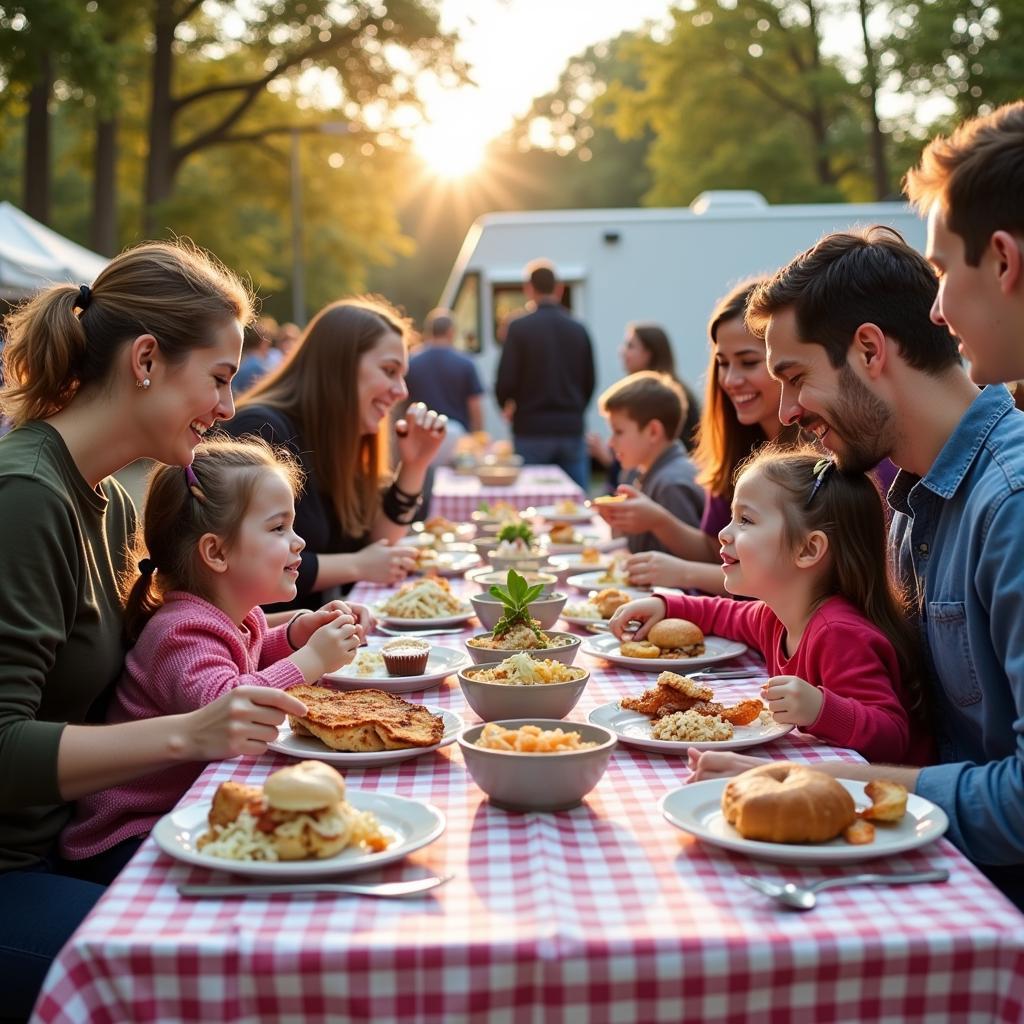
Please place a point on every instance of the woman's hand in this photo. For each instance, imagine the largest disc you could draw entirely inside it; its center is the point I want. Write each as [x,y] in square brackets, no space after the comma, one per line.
[243,721]
[647,611]
[793,700]
[637,514]
[718,764]
[380,562]
[420,435]
[657,569]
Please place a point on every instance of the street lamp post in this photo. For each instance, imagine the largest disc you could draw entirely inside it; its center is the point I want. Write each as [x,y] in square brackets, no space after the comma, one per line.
[298,243]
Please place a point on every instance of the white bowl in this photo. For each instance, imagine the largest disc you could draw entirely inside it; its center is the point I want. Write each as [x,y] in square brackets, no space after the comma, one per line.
[520,563]
[566,653]
[538,782]
[486,577]
[492,701]
[545,609]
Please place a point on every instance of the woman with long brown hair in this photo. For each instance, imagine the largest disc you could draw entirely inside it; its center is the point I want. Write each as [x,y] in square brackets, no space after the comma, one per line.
[329,403]
[137,366]
[741,412]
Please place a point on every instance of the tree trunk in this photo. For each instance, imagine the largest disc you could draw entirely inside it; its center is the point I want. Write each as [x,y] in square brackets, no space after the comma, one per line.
[103,236]
[818,117]
[36,192]
[880,170]
[159,172]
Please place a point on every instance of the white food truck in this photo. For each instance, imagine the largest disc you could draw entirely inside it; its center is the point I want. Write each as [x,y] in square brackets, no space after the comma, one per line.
[668,266]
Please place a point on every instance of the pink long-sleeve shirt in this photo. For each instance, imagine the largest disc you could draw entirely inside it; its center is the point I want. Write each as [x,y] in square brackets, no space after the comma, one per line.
[847,657]
[189,654]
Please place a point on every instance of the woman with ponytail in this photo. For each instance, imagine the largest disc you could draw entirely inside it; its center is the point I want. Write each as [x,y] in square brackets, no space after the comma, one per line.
[137,366]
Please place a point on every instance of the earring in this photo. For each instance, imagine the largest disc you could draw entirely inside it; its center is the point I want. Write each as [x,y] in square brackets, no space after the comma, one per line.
[143,383]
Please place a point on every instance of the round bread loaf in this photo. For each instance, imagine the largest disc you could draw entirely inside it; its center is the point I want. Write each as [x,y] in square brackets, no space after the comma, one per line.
[674,634]
[787,803]
[306,786]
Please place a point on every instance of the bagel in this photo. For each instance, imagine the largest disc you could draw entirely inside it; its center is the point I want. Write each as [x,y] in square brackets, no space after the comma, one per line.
[787,803]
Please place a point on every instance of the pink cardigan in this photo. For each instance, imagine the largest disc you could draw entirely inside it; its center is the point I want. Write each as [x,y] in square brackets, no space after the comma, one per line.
[844,654]
[189,654]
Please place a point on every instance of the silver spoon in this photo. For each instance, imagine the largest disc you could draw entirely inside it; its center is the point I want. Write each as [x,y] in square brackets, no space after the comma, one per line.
[412,888]
[801,897]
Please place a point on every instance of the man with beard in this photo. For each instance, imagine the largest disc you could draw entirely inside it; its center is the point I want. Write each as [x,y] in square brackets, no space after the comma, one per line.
[866,371]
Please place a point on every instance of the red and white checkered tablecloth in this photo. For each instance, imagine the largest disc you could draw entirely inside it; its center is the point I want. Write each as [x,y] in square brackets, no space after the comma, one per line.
[603,913]
[455,496]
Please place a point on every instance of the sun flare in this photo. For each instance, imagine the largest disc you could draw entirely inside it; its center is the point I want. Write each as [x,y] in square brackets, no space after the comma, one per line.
[450,149]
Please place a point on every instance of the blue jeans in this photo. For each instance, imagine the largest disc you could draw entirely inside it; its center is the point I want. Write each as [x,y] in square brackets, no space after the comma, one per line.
[39,909]
[569,452]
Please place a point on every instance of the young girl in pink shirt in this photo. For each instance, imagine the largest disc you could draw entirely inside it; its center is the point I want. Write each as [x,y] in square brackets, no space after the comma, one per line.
[220,543]
[809,542]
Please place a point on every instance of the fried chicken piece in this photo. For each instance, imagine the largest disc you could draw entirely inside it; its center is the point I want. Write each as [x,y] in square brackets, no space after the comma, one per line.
[685,685]
[658,702]
[743,713]
[231,799]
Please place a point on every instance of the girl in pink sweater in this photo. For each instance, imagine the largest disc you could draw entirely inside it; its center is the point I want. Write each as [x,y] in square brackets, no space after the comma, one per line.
[220,541]
[808,541]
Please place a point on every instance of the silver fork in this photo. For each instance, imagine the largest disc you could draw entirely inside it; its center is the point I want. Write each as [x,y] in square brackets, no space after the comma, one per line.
[390,889]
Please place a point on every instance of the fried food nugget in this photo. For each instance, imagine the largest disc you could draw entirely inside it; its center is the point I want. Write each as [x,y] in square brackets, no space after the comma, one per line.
[860,833]
[657,702]
[888,800]
[743,713]
[639,649]
[685,685]
[231,799]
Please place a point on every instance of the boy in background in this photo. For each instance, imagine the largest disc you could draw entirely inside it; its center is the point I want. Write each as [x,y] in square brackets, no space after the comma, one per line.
[645,412]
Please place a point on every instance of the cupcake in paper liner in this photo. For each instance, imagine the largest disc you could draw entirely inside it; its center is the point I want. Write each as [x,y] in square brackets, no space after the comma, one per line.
[406,656]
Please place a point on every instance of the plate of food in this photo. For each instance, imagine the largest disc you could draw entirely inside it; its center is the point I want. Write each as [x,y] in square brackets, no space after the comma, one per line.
[598,579]
[423,603]
[369,671]
[670,644]
[361,728]
[453,560]
[566,511]
[812,821]
[678,713]
[599,606]
[302,823]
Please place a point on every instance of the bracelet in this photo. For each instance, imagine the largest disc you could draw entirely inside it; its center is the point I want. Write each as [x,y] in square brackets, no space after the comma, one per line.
[405,494]
[291,622]
[399,509]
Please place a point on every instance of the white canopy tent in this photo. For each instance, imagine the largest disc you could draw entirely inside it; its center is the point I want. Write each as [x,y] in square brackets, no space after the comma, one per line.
[33,256]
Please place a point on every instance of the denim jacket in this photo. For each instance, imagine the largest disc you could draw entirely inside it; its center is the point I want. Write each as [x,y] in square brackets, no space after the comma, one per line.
[958,538]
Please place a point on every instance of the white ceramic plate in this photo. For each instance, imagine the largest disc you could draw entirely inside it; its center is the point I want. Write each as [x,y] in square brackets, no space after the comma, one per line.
[716,649]
[586,540]
[396,622]
[451,563]
[635,729]
[588,581]
[696,809]
[442,663]
[411,824]
[573,563]
[552,515]
[310,748]
[582,620]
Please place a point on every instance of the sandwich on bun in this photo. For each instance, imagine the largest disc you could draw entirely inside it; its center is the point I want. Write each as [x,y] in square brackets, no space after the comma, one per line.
[670,638]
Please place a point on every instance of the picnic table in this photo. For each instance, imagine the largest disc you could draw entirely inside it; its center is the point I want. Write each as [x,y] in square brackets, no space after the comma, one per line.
[602,913]
[455,495]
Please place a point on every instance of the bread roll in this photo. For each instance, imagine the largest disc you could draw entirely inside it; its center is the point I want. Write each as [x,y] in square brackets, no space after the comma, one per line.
[678,636]
[787,803]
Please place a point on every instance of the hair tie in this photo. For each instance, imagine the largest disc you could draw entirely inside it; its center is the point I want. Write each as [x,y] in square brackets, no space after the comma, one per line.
[84,297]
[192,483]
[147,567]
[821,470]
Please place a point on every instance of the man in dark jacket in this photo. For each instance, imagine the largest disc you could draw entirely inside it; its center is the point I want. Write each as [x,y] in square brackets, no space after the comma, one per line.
[546,378]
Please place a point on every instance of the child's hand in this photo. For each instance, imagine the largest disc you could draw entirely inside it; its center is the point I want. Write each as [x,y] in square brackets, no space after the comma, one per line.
[334,644]
[360,613]
[793,700]
[305,624]
[718,764]
[637,514]
[647,611]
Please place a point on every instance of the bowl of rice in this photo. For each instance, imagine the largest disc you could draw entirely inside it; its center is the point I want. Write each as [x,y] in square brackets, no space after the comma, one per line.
[523,685]
[536,764]
[485,650]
